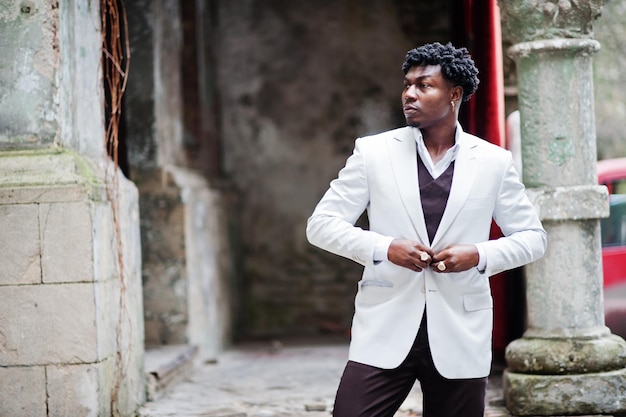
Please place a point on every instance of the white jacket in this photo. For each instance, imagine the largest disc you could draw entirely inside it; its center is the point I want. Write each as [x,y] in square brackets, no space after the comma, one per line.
[381,177]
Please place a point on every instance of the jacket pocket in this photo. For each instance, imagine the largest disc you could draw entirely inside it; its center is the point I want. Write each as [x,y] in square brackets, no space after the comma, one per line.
[477,301]
[374,292]
[376,283]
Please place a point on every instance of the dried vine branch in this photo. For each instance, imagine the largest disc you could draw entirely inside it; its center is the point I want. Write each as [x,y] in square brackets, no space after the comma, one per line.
[116,51]
[116,61]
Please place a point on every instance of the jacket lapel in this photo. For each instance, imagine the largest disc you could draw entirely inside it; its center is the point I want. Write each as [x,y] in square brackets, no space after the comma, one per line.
[403,153]
[465,169]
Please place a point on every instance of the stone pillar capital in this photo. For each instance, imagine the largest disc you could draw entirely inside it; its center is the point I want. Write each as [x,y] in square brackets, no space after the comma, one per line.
[529,20]
[554,47]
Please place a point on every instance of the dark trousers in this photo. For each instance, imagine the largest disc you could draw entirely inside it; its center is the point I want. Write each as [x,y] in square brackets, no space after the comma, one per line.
[366,391]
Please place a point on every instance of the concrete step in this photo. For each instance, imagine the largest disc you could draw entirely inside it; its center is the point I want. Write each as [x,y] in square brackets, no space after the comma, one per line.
[165,365]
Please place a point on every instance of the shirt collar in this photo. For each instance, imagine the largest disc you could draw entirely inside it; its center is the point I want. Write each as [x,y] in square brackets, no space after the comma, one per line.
[437,169]
[457,134]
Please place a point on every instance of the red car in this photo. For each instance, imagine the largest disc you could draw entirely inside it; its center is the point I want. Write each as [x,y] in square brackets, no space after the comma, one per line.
[612,173]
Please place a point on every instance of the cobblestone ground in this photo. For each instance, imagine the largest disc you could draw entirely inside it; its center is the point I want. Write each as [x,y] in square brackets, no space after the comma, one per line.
[275,381]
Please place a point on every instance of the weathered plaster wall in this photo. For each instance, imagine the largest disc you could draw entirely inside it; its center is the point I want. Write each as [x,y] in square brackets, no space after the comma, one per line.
[299,82]
[167,83]
[139,106]
[81,94]
[29,66]
[163,253]
[153,134]
[40,104]
[209,253]
[187,262]
[153,130]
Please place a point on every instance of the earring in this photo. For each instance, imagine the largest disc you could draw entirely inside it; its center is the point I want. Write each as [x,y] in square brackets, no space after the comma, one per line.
[452,102]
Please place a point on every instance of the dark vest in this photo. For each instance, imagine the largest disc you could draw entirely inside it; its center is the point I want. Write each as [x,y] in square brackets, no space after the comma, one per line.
[434,195]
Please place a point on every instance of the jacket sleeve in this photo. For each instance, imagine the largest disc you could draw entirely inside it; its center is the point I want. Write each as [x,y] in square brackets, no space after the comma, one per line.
[524,239]
[332,224]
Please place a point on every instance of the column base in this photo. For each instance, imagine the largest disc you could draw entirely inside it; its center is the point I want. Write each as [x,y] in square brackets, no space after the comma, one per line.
[566,355]
[558,395]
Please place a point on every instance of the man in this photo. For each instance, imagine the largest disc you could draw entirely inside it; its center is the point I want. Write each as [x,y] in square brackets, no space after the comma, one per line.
[423,309]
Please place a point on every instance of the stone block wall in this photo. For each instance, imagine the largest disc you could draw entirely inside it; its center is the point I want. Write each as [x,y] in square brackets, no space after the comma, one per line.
[66,312]
[71,325]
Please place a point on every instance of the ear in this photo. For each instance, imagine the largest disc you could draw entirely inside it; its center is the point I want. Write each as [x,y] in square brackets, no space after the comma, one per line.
[456,93]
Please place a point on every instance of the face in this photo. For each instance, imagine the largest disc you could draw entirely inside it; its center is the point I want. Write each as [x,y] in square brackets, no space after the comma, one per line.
[426,97]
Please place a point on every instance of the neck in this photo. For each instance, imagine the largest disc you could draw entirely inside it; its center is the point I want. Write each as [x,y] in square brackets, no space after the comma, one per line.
[440,135]
[439,139]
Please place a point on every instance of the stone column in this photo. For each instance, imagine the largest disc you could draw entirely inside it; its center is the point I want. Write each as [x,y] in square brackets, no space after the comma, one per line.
[567,362]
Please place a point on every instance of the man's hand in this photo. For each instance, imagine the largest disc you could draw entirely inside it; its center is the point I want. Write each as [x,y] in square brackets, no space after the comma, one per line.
[455,258]
[409,254]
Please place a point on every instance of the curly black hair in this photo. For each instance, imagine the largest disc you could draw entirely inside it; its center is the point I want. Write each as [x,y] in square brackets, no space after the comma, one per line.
[456,64]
